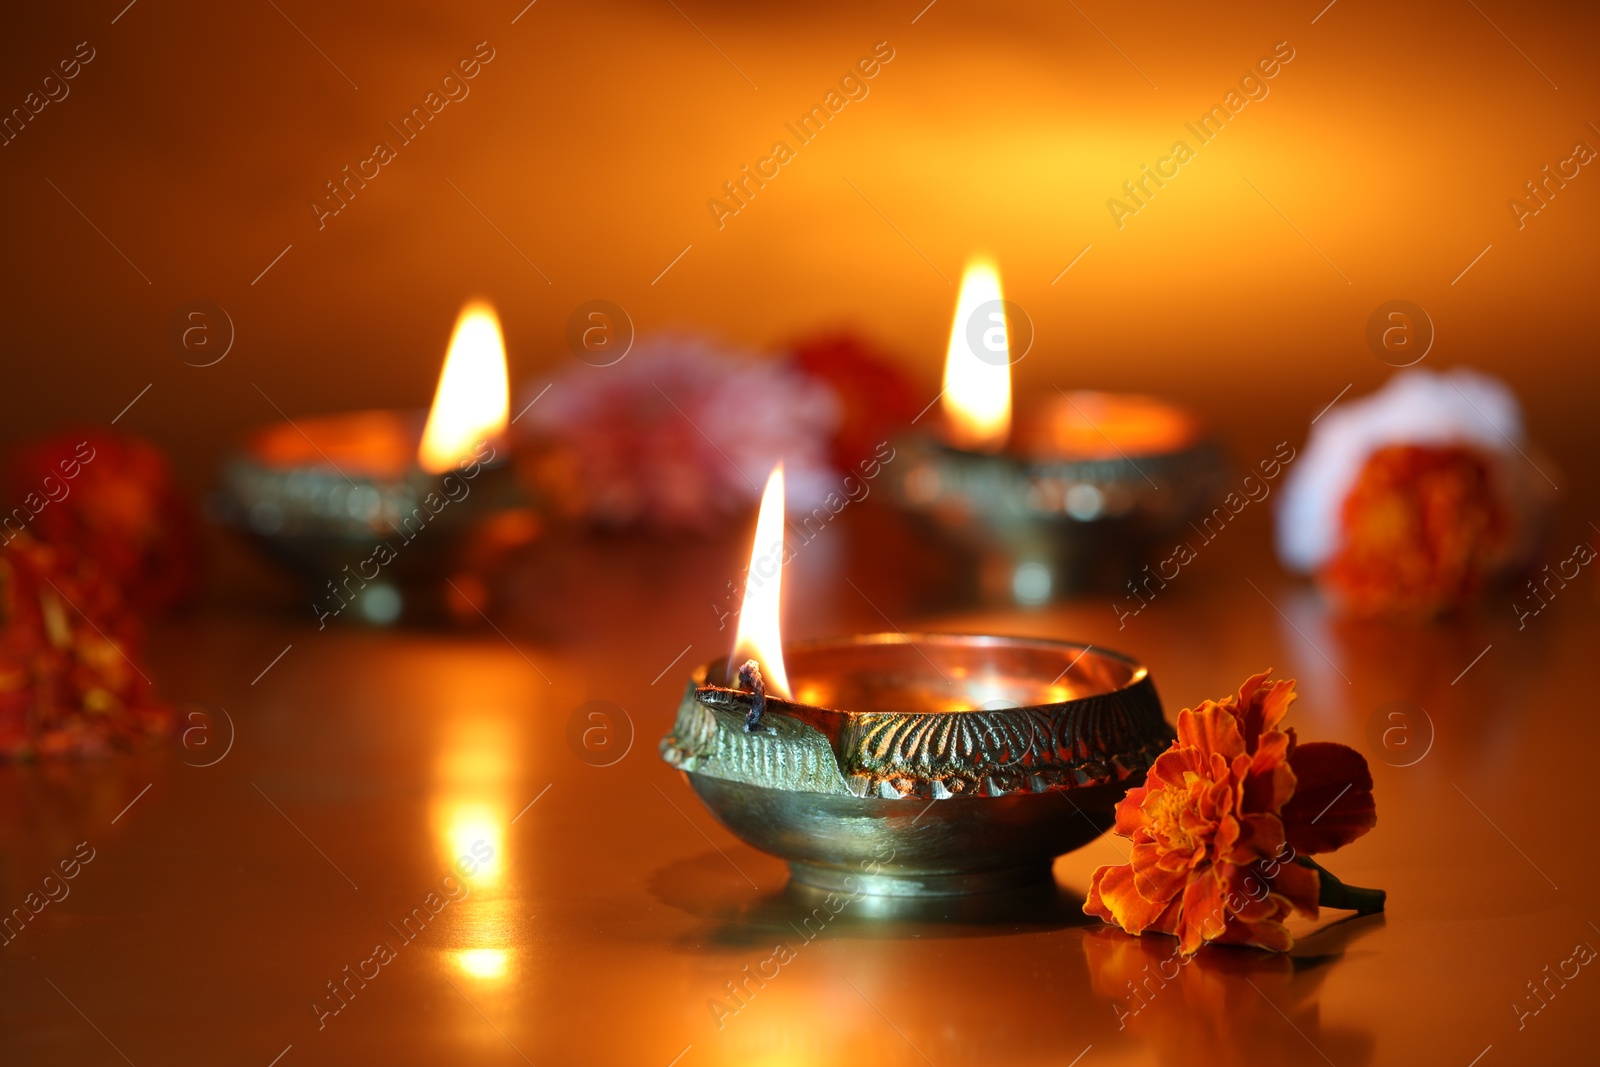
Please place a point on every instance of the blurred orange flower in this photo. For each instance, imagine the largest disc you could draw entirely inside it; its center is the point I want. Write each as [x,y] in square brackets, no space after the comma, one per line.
[1422,531]
[1226,821]
[70,683]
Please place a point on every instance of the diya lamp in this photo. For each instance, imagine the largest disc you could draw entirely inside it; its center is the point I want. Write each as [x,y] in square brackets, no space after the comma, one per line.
[1072,492]
[910,764]
[391,513]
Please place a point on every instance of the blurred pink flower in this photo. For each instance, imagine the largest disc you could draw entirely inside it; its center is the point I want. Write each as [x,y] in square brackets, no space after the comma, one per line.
[679,434]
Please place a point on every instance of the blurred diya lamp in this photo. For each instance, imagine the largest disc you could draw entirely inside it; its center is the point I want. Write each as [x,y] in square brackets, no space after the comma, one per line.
[1074,492]
[911,765]
[391,513]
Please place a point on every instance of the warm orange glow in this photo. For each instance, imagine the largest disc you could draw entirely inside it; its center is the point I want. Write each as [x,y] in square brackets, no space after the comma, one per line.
[1089,425]
[473,401]
[977,380]
[479,778]
[476,830]
[475,768]
[483,962]
[759,636]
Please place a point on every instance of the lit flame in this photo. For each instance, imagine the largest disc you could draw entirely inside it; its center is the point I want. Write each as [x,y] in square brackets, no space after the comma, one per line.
[977,388]
[759,637]
[473,401]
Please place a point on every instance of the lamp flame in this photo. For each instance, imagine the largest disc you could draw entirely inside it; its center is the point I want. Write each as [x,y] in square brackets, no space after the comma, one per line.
[759,636]
[977,380]
[473,401]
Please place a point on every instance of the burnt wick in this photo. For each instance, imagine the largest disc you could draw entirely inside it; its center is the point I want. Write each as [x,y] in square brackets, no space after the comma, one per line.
[750,678]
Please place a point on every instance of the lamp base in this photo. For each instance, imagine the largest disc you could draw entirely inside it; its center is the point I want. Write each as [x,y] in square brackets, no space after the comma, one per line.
[913,884]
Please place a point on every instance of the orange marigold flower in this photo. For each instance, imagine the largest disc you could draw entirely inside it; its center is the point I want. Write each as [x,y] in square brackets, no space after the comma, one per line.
[1422,531]
[1224,824]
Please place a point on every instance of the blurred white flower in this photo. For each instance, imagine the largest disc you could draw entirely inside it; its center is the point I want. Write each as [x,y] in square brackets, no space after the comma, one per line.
[1418,407]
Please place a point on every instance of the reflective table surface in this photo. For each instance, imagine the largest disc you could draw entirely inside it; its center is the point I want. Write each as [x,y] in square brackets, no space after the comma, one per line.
[427,846]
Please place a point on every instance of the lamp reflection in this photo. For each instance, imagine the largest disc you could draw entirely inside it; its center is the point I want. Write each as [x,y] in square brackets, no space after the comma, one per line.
[476,830]
[473,783]
[1196,1008]
[483,962]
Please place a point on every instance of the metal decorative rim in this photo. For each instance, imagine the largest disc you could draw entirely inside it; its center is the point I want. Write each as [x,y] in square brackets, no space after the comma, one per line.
[1102,738]
[1011,488]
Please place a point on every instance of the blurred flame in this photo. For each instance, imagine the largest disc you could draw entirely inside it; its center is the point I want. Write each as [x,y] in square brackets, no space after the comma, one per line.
[759,636]
[977,391]
[483,962]
[473,401]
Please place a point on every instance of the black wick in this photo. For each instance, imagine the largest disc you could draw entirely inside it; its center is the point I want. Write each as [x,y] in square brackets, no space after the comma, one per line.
[750,678]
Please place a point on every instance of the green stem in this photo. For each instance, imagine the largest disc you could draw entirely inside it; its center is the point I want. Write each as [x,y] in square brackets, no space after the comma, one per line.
[1335,894]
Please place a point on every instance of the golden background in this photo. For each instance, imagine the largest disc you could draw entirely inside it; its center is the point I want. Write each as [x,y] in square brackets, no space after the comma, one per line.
[1379,167]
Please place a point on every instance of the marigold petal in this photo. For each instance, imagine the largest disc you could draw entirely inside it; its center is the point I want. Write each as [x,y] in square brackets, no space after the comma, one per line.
[1263,836]
[1094,903]
[1268,790]
[1332,803]
[1299,885]
[1188,737]
[1130,811]
[1271,750]
[1167,921]
[1170,767]
[1114,897]
[1262,705]
[1242,907]
[1275,700]
[1213,728]
[1227,835]
[1176,859]
[1159,874]
[1202,810]
[1247,691]
[1270,891]
[1205,915]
